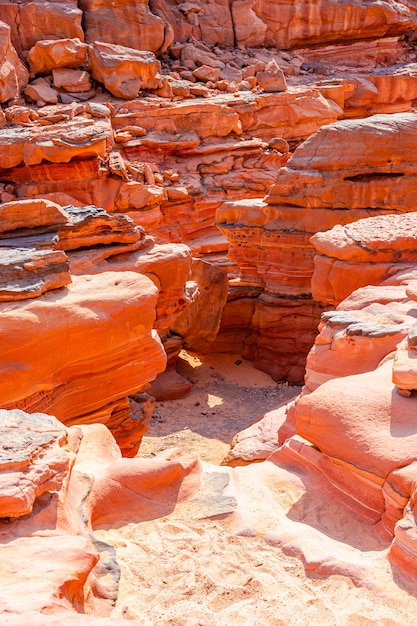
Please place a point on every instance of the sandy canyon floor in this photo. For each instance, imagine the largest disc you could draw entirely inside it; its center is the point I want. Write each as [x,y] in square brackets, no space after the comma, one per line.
[257,545]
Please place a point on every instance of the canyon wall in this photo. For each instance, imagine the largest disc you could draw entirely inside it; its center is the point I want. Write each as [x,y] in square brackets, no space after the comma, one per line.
[218,176]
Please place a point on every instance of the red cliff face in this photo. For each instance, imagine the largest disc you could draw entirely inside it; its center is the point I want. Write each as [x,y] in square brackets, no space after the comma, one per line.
[214,175]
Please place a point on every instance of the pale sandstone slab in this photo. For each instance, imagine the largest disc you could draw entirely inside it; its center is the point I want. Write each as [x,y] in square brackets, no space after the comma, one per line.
[31,463]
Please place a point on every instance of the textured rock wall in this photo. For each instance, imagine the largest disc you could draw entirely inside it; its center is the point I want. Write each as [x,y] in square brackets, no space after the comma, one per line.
[270,240]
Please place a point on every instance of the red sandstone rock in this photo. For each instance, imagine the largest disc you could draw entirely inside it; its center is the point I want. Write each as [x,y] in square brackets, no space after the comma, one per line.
[54,143]
[75,81]
[36,458]
[13,74]
[124,71]
[129,23]
[52,54]
[40,92]
[272,78]
[199,323]
[293,25]
[75,380]
[207,73]
[61,482]
[27,273]
[249,29]
[364,175]
[30,214]
[42,21]
[377,244]
[304,201]
[355,338]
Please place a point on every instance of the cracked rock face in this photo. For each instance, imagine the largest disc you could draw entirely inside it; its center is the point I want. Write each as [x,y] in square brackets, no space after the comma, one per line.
[32,460]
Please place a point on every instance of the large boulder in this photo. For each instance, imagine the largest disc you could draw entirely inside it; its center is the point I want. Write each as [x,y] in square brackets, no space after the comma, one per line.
[124,71]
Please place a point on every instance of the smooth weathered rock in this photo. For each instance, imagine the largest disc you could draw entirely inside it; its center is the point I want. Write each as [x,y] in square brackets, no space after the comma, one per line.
[258,441]
[365,430]
[366,327]
[369,251]
[86,371]
[56,483]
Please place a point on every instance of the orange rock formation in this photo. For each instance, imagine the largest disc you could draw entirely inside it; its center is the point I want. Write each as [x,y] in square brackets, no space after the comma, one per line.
[216,175]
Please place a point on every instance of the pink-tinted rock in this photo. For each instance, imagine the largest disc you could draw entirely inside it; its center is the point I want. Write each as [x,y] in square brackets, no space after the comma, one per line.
[126,490]
[365,252]
[57,486]
[258,441]
[76,81]
[31,463]
[365,430]
[355,338]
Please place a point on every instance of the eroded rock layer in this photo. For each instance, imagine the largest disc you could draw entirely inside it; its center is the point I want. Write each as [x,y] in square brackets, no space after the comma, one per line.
[127,129]
[270,240]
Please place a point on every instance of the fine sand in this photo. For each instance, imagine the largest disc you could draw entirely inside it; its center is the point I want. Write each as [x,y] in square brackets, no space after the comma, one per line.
[259,545]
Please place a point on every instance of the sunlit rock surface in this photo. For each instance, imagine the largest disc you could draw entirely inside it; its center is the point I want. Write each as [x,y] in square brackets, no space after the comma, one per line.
[271,240]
